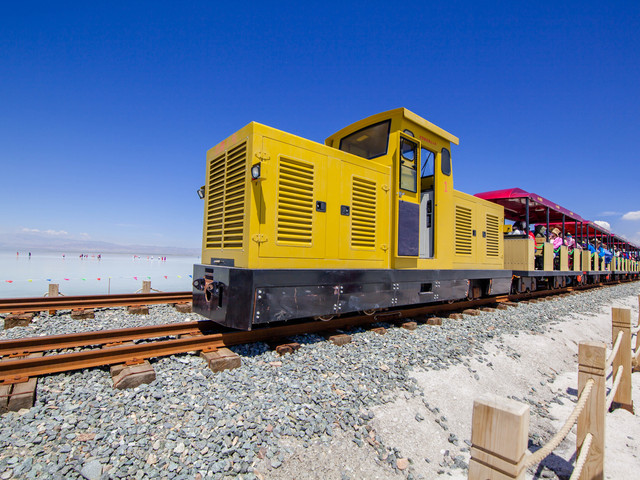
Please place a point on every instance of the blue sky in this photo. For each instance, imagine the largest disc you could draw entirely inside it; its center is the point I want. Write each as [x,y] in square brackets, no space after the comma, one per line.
[107,108]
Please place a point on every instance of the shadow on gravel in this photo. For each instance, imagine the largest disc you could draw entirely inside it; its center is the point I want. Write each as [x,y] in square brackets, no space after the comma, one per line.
[558,465]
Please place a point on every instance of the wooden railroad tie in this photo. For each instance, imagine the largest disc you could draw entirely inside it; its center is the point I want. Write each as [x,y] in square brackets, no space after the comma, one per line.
[138,309]
[407,325]
[19,319]
[19,395]
[379,330]
[338,338]
[284,348]
[472,311]
[82,313]
[184,307]
[434,321]
[221,359]
[131,376]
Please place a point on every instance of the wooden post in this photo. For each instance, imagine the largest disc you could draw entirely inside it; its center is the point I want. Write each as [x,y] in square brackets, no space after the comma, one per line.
[54,291]
[592,358]
[499,437]
[621,322]
[146,286]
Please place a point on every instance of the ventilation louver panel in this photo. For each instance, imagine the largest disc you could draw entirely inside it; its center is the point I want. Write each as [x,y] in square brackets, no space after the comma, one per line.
[363,213]
[464,239]
[493,232]
[225,193]
[295,202]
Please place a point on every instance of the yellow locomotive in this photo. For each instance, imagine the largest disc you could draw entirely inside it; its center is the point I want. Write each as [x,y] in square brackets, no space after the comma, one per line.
[368,221]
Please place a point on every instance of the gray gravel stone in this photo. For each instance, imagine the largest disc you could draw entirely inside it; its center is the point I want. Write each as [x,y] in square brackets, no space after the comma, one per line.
[192,420]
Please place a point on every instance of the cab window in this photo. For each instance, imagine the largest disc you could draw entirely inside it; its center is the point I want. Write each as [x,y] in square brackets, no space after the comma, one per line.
[408,164]
[445,161]
[369,142]
[427,159]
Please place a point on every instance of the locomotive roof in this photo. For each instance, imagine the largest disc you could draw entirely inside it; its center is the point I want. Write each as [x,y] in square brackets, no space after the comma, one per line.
[398,113]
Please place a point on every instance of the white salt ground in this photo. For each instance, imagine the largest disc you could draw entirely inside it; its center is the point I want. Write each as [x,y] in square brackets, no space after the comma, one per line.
[544,369]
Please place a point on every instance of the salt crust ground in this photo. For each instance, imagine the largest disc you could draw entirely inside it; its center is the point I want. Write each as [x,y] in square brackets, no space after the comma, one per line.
[545,370]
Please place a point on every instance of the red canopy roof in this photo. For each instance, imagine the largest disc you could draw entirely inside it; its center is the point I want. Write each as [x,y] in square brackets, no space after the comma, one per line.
[514,202]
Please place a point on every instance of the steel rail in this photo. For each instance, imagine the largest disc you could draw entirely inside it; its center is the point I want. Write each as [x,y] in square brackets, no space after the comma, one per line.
[24,346]
[37,304]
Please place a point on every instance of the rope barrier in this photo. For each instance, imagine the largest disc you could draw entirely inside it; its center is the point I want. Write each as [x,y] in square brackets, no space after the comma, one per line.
[582,458]
[541,454]
[614,350]
[635,330]
[614,388]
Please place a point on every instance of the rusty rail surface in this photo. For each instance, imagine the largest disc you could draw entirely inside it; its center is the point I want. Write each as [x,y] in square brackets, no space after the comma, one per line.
[25,346]
[38,304]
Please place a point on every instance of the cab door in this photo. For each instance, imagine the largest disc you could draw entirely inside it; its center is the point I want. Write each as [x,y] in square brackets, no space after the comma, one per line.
[408,206]
[294,202]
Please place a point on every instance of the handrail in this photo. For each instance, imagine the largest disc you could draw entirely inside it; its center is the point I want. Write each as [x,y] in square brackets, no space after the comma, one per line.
[550,446]
[582,458]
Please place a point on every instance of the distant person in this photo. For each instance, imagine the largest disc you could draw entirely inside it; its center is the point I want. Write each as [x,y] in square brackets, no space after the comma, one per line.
[17,254]
[29,254]
[99,257]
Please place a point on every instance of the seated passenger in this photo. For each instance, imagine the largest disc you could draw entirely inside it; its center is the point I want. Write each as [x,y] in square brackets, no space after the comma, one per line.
[517,229]
[569,242]
[604,253]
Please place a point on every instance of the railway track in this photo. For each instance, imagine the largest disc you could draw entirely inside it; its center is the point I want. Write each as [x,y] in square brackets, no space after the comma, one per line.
[110,347]
[32,357]
[40,304]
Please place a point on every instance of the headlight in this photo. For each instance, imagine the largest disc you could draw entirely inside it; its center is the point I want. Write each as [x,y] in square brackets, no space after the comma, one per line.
[255,171]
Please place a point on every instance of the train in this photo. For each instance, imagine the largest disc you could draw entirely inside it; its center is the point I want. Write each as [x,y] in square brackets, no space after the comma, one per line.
[370,221]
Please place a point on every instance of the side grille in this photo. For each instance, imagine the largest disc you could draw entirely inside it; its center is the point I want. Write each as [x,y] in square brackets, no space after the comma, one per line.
[464,239]
[363,213]
[493,233]
[225,193]
[295,202]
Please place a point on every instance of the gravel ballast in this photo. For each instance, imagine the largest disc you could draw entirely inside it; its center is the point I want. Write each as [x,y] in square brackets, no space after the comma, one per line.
[317,413]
